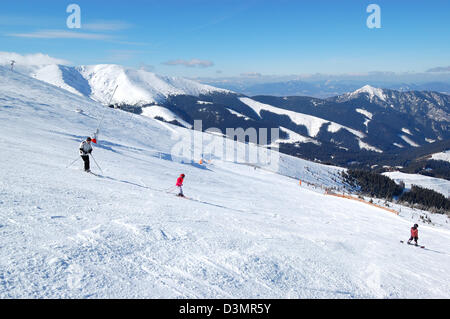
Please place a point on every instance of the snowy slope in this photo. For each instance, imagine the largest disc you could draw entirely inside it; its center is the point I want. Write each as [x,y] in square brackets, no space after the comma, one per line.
[437,184]
[156,111]
[135,87]
[312,123]
[53,74]
[408,140]
[247,233]
[371,91]
[442,156]
[296,138]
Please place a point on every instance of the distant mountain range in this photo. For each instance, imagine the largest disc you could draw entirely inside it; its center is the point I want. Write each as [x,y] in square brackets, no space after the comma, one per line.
[364,127]
[320,89]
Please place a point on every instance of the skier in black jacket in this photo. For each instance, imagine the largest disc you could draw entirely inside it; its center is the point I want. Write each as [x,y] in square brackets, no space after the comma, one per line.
[85,150]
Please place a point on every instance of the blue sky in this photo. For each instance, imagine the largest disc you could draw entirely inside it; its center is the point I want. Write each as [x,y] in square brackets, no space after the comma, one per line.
[230,38]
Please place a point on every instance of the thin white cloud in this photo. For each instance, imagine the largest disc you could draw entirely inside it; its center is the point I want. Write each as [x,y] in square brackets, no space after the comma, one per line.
[440,69]
[106,26]
[146,67]
[121,55]
[61,34]
[251,74]
[29,21]
[131,43]
[30,59]
[191,63]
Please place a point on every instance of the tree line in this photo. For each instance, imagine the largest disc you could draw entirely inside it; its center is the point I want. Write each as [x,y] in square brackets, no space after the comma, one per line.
[380,186]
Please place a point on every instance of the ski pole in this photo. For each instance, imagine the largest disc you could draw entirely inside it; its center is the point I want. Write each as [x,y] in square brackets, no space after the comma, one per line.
[73,162]
[97,164]
[168,190]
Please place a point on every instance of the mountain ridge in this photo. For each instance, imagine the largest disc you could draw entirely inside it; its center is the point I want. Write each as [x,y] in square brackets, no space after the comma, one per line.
[368,120]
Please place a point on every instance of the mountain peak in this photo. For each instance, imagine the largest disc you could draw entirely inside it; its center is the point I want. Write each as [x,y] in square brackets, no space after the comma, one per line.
[372,91]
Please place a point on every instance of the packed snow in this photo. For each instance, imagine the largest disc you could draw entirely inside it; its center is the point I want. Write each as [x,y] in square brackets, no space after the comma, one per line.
[437,184]
[248,231]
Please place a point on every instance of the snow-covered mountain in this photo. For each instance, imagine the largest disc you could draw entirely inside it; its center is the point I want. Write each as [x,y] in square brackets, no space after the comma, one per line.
[353,128]
[429,104]
[318,88]
[246,232]
[135,87]
[370,91]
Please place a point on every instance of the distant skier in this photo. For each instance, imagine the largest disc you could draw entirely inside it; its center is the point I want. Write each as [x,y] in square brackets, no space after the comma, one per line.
[179,184]
[85,150]
[414,234]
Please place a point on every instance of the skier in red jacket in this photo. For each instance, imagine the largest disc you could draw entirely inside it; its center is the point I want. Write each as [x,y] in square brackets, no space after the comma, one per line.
[414,234]
[179,184]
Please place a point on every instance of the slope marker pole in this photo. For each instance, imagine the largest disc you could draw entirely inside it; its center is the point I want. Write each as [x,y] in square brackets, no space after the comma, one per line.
[107,106]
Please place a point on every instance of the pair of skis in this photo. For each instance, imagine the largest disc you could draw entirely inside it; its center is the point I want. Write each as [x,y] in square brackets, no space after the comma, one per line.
[412,244]
[183,196]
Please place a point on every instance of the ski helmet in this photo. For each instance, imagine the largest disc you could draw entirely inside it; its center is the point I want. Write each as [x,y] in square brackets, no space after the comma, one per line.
[182,175]
[415,225]
[88,139]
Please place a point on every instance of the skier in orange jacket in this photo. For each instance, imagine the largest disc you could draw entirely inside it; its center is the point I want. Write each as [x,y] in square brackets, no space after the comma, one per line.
[414,234]
[179,184]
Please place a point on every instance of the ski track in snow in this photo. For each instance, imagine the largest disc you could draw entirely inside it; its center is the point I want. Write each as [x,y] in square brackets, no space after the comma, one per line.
[247,233]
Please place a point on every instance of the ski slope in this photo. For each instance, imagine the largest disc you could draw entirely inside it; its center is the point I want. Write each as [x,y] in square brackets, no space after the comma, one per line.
[437,184]
[442,156]
[248,232]
[312,123]
[157,111]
